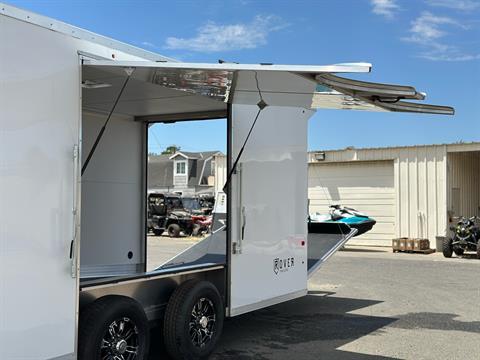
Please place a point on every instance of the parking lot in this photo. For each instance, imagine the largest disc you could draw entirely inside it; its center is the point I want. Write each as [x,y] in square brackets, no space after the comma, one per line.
[366,303]
[163,248]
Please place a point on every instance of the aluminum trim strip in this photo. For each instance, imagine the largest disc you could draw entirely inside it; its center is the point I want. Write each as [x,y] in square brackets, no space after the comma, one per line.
[70,356]
[200,115]
[308,69]
[79,33]
[147,277]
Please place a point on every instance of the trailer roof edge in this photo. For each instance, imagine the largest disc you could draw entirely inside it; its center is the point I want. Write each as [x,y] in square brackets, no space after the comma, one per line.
[79,33]
[300,69]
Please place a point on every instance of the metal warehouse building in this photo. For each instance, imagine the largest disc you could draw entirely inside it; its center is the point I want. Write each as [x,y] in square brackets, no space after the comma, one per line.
[411,191]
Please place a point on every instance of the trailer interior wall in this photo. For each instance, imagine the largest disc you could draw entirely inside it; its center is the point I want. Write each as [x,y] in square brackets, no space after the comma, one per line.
[113,193]
[464,184]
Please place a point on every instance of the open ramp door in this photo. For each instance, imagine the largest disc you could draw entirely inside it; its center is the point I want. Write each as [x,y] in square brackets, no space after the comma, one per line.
[323,241]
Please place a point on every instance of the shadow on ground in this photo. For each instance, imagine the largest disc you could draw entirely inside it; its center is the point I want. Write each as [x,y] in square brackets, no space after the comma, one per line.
[436,321]
[318,321]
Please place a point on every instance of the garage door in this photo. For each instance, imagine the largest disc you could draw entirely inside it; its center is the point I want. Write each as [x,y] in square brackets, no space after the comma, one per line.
[365,186]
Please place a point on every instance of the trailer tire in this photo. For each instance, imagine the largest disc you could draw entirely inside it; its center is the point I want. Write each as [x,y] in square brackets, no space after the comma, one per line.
[96,324]
[194,305]
[196,230]
[174,230]
[447,247]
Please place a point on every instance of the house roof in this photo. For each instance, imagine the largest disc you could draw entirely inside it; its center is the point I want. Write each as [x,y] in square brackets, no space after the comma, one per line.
[160,168]
[195,155]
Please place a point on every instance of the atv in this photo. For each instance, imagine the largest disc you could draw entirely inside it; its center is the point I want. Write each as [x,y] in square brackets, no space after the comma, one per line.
[466,237]
[166,212]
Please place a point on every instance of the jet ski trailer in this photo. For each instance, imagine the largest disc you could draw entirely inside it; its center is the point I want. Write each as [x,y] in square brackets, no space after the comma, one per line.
[74,112]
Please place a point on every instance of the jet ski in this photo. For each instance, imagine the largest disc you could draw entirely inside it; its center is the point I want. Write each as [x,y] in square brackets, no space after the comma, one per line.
[342,215]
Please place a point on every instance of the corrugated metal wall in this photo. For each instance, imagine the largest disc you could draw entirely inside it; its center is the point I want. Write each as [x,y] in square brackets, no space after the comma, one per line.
[464,180]
[367,186]
[420,185]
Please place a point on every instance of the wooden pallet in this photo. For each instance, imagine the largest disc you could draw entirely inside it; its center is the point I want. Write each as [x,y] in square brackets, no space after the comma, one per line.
[426,251]
[415,245]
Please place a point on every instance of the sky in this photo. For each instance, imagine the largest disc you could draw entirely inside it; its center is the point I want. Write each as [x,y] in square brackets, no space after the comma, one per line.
[433,45]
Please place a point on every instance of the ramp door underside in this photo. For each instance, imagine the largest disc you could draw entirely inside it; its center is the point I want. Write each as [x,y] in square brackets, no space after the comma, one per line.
[324,240]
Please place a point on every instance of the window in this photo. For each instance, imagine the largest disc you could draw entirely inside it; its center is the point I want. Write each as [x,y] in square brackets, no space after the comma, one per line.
[180,168]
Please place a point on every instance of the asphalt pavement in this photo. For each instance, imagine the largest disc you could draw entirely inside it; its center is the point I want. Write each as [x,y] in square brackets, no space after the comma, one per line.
[368,303]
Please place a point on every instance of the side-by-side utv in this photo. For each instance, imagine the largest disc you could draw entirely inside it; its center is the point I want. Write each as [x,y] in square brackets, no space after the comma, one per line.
[166,212]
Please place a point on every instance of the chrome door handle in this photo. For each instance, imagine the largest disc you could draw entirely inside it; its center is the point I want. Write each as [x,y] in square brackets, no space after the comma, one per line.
[237,244]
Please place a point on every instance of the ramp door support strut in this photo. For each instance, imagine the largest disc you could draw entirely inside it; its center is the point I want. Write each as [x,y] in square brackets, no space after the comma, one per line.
[129,72]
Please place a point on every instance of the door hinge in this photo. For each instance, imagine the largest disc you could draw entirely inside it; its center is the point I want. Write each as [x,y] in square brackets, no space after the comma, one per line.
[236,249]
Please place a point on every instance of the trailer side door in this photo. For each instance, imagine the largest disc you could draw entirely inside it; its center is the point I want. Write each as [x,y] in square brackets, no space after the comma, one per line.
[268,257]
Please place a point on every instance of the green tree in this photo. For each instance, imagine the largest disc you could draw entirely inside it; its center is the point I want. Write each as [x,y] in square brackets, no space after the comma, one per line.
[172,149]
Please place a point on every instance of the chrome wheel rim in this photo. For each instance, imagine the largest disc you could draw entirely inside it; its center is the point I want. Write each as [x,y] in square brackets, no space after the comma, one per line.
[202,323]
[120,341]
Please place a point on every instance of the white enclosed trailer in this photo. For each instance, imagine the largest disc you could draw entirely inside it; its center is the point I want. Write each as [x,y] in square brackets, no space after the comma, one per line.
[74,113]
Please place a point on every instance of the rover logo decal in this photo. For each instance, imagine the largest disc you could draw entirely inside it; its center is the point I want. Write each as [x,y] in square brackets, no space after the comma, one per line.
[282,265]
[276,268]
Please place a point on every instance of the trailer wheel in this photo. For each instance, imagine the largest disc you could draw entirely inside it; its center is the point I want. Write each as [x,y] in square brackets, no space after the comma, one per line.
[447,247]
[113,327]
[173,230]
[193,320]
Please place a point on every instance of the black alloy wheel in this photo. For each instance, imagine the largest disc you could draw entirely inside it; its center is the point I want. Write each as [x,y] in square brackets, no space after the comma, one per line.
[113,328]
[193,320]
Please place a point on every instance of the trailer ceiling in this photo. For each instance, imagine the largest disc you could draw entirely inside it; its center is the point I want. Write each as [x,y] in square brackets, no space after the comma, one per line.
[158,89]
[147,93]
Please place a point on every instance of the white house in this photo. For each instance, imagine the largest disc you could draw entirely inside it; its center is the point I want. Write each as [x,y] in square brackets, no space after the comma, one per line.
[188,173]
